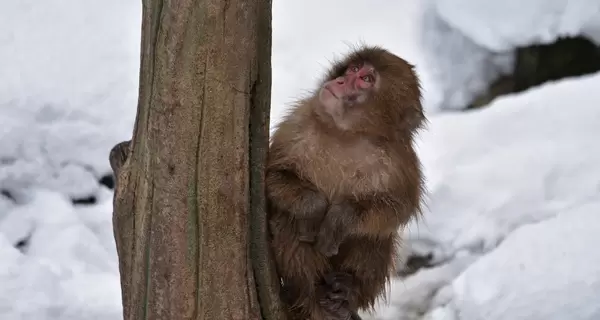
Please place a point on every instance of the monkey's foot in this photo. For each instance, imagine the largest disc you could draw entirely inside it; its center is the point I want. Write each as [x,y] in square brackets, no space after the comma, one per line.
[336,292]
[308,229]
[335,309]
[338,285]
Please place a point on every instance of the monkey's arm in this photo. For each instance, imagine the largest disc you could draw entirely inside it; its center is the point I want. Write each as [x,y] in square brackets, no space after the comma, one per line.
[375,215]
[300,198]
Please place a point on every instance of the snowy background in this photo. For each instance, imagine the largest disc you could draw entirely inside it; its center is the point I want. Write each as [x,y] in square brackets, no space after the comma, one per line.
[513,211]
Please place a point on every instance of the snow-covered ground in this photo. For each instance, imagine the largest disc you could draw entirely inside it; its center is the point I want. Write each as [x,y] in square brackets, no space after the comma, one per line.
[514,190]
[514,210]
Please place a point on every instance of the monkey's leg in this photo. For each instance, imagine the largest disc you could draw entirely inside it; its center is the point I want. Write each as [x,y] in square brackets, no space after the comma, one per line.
[299,264]
[370,262]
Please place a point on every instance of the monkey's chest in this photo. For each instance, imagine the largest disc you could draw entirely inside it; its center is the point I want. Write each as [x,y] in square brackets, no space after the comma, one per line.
[342,169]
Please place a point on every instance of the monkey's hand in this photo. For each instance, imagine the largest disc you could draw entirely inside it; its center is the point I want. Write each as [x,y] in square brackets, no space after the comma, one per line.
[300,198]
[335,227]
[309,211]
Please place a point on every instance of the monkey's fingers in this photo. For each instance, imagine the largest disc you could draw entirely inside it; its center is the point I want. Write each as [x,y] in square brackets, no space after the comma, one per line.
[307,229]
[327,247]
[335,310]
[327,243]
[338,295]
[338,278]
[335,295]
[307,238]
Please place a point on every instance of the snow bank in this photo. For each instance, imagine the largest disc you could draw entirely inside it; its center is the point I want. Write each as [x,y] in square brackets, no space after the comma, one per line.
[67,270]
[542,271]
[468,44]
[526,158]
[513,187]
[504,25]
[69,90]
[459,69]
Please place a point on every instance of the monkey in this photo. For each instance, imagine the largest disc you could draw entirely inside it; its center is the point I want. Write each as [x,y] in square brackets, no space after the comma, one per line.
[342,177]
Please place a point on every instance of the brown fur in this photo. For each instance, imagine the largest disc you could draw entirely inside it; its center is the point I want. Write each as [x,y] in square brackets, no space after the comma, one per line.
[350,187]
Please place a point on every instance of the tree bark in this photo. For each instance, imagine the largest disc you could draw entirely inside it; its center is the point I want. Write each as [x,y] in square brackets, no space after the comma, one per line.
[189,210]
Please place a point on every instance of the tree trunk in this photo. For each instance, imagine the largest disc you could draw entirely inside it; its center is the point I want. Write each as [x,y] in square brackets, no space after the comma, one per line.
[189,210]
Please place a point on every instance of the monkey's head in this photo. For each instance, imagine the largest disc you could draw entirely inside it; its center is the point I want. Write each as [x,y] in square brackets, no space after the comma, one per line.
[371,92]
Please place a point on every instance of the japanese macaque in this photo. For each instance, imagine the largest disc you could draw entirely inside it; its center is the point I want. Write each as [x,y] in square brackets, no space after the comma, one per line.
[342,178]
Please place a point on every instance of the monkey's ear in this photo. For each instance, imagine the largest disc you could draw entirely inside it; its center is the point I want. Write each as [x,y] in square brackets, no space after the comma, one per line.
[411,119]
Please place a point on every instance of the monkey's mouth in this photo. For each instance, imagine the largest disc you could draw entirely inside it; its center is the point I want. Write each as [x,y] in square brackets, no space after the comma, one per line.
[351,99]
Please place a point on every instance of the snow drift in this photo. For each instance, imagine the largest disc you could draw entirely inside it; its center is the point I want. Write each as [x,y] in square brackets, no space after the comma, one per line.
[467,44]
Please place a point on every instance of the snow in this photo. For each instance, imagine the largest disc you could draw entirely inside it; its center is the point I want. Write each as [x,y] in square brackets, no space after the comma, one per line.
[456,79]
[532,21]
[66,79]
[478,39]
[567,288]
[502,181]
[536,139]
[68,269]
[513,199]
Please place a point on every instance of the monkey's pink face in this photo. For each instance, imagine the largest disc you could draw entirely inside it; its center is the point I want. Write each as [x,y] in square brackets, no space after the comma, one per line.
[353,88]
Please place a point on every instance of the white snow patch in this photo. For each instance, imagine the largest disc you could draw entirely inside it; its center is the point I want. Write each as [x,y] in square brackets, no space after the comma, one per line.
[543,271]
[468,44]
[503,181]
[65,271]
[411,297]
[69,90]
[458,68]
[525,158]
[504,25]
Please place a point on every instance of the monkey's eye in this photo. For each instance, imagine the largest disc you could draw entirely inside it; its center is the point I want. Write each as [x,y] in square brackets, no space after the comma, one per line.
[353,68]
[368,78]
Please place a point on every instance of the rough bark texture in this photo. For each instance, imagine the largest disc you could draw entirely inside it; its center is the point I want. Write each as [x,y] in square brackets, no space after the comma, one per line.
[189,215]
